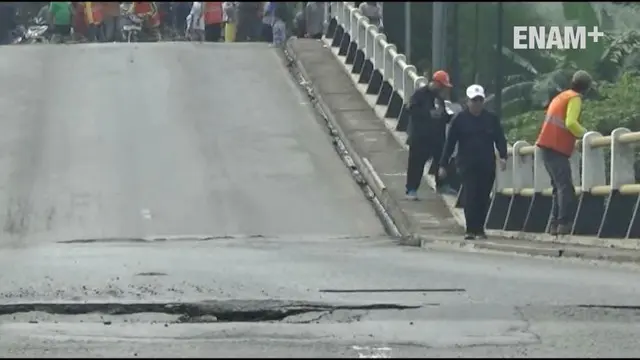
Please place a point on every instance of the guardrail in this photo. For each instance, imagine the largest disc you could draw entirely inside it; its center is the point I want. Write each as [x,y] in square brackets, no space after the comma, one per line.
[521,198]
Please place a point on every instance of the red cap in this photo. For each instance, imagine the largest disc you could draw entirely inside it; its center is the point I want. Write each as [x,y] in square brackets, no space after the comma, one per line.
[442,77]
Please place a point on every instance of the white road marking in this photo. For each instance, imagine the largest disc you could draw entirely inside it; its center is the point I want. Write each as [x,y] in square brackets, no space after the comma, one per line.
[367,352]
[146,214]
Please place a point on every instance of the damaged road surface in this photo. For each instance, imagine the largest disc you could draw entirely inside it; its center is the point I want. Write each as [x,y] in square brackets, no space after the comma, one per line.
[165,200]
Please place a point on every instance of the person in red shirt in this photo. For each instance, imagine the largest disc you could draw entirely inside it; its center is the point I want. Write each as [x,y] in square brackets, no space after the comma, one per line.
[212,20]
[148,11]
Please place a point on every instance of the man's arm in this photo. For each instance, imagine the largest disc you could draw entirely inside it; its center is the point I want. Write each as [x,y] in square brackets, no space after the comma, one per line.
[500,140]
[451,141]
[573,115]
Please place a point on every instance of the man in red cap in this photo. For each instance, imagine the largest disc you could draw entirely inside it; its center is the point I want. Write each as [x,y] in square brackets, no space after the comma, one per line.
[427,130]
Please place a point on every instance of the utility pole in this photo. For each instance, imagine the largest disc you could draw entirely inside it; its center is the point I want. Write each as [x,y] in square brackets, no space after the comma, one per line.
[499,80]
[438,36]
[455,56]
[407,30]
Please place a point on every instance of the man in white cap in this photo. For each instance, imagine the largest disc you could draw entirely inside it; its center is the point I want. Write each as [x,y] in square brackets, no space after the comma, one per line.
[475,131]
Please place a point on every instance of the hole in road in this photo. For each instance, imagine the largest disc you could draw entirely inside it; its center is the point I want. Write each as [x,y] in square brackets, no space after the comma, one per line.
[387,290]
[206,311]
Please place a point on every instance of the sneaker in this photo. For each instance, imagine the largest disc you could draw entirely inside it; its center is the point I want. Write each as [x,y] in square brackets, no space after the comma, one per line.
[481,236]
[412,195]
[469,236]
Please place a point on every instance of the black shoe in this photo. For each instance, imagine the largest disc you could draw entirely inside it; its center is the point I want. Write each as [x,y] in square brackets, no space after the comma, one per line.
[469,236]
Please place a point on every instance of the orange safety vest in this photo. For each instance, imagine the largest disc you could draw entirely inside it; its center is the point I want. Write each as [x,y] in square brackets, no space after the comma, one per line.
[554,134]
[93,12]
[212,12]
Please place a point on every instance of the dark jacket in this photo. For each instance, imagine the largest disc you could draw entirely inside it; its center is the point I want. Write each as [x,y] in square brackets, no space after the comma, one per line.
[424,127]
[475,137]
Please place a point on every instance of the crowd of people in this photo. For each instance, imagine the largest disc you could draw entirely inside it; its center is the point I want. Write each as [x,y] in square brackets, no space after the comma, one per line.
[210,21]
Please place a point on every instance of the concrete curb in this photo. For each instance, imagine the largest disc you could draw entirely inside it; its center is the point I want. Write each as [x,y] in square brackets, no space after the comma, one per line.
[536,249]
[396,223]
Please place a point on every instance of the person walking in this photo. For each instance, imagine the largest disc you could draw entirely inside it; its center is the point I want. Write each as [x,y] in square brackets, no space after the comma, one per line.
[268,19]
[371,10]
[314,19]
[94,15]
[196,22]
[280,19]
[231,19]
[477,133]
[181,12]
[427,128]
[556,140]
[110,21]
[212,20]
[60,17]
[248,21]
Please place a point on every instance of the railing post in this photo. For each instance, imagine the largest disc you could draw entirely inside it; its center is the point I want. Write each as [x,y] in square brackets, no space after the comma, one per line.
[386,90]
[539,212]
[619,209]
[375,81]
[590,206]
[522,179]
[396,101]
[369,44]
[502,192]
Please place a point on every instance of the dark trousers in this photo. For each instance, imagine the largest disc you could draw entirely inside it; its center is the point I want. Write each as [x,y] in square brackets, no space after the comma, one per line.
[267,33]
[212,32]
[563,199]
[477,182]
[419,154]
[95,32]
[248,30]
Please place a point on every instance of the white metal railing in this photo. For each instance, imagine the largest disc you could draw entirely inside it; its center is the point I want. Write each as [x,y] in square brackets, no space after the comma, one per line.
[393,66]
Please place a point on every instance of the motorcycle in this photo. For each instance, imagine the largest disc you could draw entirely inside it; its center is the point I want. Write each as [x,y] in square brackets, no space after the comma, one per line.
[36,33]
[18,34]
[131,31]
[133,27]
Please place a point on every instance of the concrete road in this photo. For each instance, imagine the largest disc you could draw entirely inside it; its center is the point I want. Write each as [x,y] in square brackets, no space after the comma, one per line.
[258,243]
[112,140]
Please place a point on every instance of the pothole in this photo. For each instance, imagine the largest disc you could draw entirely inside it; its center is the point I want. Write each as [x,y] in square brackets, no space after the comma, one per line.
[206,311]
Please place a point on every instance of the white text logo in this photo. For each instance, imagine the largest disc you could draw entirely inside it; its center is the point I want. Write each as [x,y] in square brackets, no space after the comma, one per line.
[554,37]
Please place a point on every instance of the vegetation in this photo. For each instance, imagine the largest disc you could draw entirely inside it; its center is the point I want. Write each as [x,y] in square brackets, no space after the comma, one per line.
[532,77]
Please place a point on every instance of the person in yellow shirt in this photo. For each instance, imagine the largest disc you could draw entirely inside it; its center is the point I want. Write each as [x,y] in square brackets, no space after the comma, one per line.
[230,11]
[93,13]
[556,141]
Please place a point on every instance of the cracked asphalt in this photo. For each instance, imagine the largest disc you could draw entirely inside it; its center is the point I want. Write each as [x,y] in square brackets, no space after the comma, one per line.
[165,200]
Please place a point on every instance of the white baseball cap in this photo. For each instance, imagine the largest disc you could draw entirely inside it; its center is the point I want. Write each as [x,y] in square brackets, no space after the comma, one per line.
[475,91]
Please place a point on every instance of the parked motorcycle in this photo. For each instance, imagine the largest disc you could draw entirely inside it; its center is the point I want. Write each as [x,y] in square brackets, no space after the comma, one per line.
[18,34]
[38,33]
[132,28]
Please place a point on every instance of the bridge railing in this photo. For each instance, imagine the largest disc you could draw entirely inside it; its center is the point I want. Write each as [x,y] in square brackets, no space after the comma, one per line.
[521,199]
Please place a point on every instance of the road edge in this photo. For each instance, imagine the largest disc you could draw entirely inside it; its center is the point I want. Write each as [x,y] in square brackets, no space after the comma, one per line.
[385,206]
